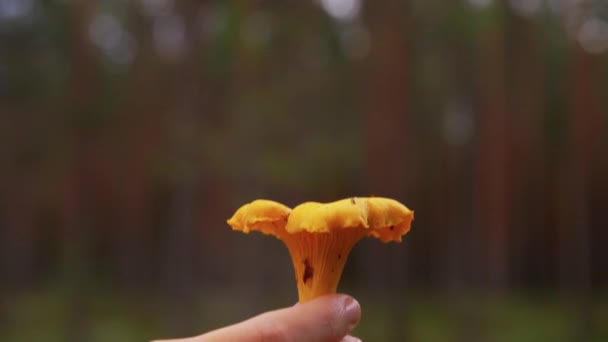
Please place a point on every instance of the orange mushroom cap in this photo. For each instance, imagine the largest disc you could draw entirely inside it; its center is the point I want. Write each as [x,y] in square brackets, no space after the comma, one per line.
[268,217]
[319,236]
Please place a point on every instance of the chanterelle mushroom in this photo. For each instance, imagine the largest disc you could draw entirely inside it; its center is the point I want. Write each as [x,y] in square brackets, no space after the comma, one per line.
[319,236]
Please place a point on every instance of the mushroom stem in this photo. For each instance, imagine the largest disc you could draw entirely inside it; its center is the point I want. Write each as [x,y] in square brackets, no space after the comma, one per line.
[319,259]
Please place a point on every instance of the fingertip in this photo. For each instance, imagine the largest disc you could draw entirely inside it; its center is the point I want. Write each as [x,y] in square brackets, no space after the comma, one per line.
[326,318]
[348,307]
[346,312]
[349,338]
[352,312]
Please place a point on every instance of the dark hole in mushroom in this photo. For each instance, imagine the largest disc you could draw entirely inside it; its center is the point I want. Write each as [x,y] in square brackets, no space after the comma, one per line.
[308,271]
[391,227]
[339,256]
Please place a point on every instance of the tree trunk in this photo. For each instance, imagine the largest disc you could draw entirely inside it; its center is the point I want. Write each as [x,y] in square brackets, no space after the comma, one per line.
[492,168]
[390,151]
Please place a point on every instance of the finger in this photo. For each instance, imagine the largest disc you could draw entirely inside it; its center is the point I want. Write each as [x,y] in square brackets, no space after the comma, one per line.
[325,319]
[349,338]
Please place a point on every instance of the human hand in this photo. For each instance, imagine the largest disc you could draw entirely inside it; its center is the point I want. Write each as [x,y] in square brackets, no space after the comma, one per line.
[328,318]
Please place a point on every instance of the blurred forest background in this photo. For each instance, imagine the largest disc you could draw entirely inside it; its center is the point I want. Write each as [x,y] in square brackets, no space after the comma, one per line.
[131,130]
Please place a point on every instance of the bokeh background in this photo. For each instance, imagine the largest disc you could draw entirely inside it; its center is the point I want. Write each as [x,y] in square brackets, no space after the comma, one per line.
[131,130]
